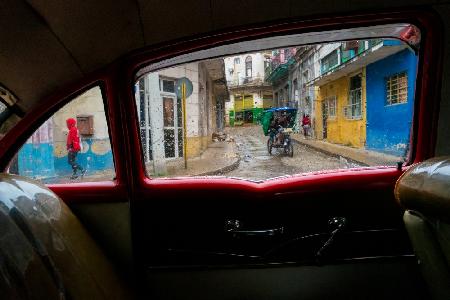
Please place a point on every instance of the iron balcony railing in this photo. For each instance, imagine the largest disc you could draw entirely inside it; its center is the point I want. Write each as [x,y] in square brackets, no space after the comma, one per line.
[280,58]
[246,81]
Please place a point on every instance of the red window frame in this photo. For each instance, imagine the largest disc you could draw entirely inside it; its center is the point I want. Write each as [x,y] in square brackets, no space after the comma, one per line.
[423,137]
[118,82]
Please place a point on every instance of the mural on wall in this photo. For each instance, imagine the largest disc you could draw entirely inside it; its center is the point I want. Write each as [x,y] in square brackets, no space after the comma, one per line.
[36,158]
[44,155]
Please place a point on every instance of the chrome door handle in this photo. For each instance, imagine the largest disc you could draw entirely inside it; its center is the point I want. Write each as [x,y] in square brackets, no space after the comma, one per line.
[234,227]
[261,233]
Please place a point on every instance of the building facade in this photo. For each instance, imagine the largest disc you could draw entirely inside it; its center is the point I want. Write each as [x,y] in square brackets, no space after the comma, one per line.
[158,98]
[351,95]
[357,93]
[390,102]
[249,93]
[279,74]
[305,70]
[339,110]
[290,71]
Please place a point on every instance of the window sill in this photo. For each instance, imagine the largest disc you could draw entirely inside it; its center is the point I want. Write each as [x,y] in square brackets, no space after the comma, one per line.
[395,104]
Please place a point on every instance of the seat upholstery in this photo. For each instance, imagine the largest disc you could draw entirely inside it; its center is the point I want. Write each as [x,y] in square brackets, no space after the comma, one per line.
[424,191]
[45,252]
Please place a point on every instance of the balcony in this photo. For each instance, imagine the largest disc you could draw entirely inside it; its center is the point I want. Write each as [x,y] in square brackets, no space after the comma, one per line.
[279,64]
[351,49]
[246,82]
[359,57]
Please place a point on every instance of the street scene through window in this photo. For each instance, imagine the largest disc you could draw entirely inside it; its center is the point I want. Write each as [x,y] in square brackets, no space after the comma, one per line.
[252,116]
[73,145]
[280,112]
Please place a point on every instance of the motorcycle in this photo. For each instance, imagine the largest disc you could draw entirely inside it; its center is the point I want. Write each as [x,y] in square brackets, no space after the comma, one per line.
[284,142]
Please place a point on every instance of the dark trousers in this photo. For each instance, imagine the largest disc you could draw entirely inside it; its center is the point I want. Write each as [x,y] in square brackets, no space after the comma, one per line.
[72,157]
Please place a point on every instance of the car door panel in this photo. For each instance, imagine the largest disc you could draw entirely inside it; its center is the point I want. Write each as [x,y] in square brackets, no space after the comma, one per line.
[181,238]
[191,229]
[367,279]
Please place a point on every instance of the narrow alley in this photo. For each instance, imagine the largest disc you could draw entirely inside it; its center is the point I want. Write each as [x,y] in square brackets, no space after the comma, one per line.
[256,164]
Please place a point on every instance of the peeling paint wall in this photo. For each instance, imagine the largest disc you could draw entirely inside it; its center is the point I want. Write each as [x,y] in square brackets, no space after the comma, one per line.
[340,129]
[96,154]
[44,158]
[389,126]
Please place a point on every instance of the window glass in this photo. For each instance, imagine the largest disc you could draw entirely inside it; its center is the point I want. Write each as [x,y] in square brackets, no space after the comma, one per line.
[71,146]
[248,66]
[355,97]
[307,108]
[169,86]
[330,106]
[329,61]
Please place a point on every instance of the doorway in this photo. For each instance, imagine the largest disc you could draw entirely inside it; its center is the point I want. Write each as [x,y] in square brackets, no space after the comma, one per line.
[324,119]
[173,130]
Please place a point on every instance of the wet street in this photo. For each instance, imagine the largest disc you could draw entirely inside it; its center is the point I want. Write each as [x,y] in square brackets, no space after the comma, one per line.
[256,163]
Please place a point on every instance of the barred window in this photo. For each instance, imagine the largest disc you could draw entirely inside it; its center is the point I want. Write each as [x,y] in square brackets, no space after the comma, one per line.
[397,89]
[330,105]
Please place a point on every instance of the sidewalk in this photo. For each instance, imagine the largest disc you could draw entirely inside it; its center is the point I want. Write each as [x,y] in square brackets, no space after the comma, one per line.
[360,156]
[218,158]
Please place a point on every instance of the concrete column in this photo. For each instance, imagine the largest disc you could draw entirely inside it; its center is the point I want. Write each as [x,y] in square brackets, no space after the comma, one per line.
[154,118]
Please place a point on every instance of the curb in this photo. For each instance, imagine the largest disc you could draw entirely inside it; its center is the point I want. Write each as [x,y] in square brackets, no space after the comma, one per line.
[335,155]
[222,170]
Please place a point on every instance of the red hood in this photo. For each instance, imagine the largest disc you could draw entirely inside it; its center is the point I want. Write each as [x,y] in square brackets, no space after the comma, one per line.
[71,123]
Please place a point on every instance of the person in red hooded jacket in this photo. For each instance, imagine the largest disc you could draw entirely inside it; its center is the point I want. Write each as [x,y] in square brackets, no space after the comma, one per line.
[73,147]
[306,124]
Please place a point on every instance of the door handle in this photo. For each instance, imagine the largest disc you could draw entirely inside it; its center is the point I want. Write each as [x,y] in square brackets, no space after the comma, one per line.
[337,225]
[234,227]
[257,233]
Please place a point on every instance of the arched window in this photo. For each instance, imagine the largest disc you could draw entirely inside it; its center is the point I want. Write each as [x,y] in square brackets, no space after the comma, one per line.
[248,66]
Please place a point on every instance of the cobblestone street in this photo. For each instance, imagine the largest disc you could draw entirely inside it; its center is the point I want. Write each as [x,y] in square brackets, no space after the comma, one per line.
[256,163]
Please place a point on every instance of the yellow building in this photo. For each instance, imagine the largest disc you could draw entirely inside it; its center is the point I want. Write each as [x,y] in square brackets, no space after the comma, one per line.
[340,110]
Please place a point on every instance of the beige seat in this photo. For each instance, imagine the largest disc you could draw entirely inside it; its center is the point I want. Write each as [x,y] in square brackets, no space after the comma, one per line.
[45,252]
[424,191]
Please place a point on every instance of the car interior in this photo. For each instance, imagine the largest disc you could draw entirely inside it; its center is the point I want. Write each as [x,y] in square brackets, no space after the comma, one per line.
[366,232]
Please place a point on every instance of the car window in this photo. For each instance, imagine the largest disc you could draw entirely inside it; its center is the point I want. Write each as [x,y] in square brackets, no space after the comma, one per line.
[73,145]
[285,111]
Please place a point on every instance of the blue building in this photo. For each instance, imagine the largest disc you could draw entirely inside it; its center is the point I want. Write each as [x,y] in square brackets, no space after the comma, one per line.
[390,87]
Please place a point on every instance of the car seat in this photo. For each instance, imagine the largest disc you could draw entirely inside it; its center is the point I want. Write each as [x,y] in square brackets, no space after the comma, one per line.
[45,252]
[424,191]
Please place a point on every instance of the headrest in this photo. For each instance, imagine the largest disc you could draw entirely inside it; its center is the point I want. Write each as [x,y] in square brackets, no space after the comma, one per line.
[425,188]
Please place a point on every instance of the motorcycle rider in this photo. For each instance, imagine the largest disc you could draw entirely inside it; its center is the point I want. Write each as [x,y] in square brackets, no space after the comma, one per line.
[273,127]
[282,123]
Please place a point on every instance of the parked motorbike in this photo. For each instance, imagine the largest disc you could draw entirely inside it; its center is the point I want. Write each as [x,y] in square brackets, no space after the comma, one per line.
[284,142]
